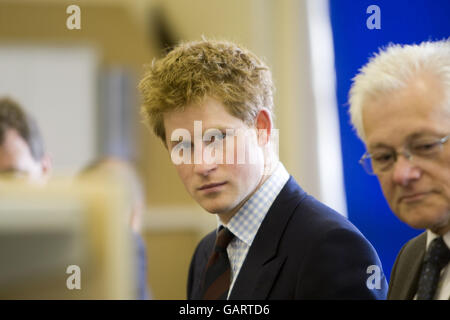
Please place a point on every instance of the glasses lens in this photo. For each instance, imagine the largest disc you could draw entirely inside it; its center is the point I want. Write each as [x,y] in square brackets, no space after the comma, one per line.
[382,160]
[366,163]
[425,147]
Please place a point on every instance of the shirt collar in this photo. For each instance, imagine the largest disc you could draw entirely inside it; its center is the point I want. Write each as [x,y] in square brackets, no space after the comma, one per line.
[246,222]
[431,236]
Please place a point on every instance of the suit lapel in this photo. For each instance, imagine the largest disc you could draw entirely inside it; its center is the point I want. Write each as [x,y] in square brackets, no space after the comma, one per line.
[411,278]
[262,264]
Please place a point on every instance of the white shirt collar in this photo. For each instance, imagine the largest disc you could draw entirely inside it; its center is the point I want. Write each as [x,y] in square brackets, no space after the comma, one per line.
[431,236]
[246,222]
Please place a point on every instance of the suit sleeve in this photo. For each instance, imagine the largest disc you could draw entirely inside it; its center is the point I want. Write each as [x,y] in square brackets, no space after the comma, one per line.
[343,265]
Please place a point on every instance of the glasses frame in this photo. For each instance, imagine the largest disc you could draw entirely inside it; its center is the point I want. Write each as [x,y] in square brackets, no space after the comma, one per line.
[406,152]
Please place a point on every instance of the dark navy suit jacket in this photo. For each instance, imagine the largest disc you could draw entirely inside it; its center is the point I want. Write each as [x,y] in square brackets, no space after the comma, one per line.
[302,250]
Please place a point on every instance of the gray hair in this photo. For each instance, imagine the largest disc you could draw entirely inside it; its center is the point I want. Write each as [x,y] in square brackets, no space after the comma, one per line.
[392,68]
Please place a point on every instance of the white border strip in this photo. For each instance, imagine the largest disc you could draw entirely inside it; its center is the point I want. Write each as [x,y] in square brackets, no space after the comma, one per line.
[324,88]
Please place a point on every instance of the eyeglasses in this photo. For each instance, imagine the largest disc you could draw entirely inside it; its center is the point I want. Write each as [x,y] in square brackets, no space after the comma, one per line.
[383,160]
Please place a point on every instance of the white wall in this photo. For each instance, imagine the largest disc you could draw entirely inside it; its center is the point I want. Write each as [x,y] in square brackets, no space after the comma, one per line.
[58,87]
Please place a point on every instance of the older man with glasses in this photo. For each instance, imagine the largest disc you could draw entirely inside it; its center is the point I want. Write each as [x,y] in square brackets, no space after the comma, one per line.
[400,108]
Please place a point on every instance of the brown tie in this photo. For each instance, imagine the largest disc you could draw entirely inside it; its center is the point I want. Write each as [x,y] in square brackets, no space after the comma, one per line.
[218,272]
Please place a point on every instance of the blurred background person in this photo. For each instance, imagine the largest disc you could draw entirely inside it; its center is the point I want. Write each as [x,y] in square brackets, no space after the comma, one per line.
[23,157]
[400,107]
[22,153]
[122,173]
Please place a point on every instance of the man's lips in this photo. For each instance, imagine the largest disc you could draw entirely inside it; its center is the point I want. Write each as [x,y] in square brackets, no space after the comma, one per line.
[414,196]
[211,186]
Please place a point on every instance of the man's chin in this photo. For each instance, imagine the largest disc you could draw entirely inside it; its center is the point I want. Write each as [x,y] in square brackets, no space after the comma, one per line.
[417,224]
[217,209]
[214,207]
[421,220]
[223,211]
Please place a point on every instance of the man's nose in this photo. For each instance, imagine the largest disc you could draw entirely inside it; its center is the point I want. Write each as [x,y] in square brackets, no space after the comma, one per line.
[205,162]
[405,171]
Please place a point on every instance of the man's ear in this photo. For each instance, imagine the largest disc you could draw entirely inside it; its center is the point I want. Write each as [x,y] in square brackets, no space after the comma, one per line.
[263,123]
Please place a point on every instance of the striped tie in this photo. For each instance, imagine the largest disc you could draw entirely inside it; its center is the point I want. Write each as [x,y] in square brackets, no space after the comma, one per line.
[436,258]
[218,272]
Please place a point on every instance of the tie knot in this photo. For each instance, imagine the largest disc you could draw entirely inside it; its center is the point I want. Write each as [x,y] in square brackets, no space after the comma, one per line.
[438,253]
[224,236]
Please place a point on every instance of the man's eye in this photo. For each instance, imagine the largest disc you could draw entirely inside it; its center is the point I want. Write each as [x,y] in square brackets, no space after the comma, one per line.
[382,158]
[183,145]
[221,136]
[218,137]
[424,147]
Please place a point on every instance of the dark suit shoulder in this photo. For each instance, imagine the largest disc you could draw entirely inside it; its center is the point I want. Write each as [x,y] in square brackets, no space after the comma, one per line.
[308,211]
[311,221]
[335,256]
[320,218]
